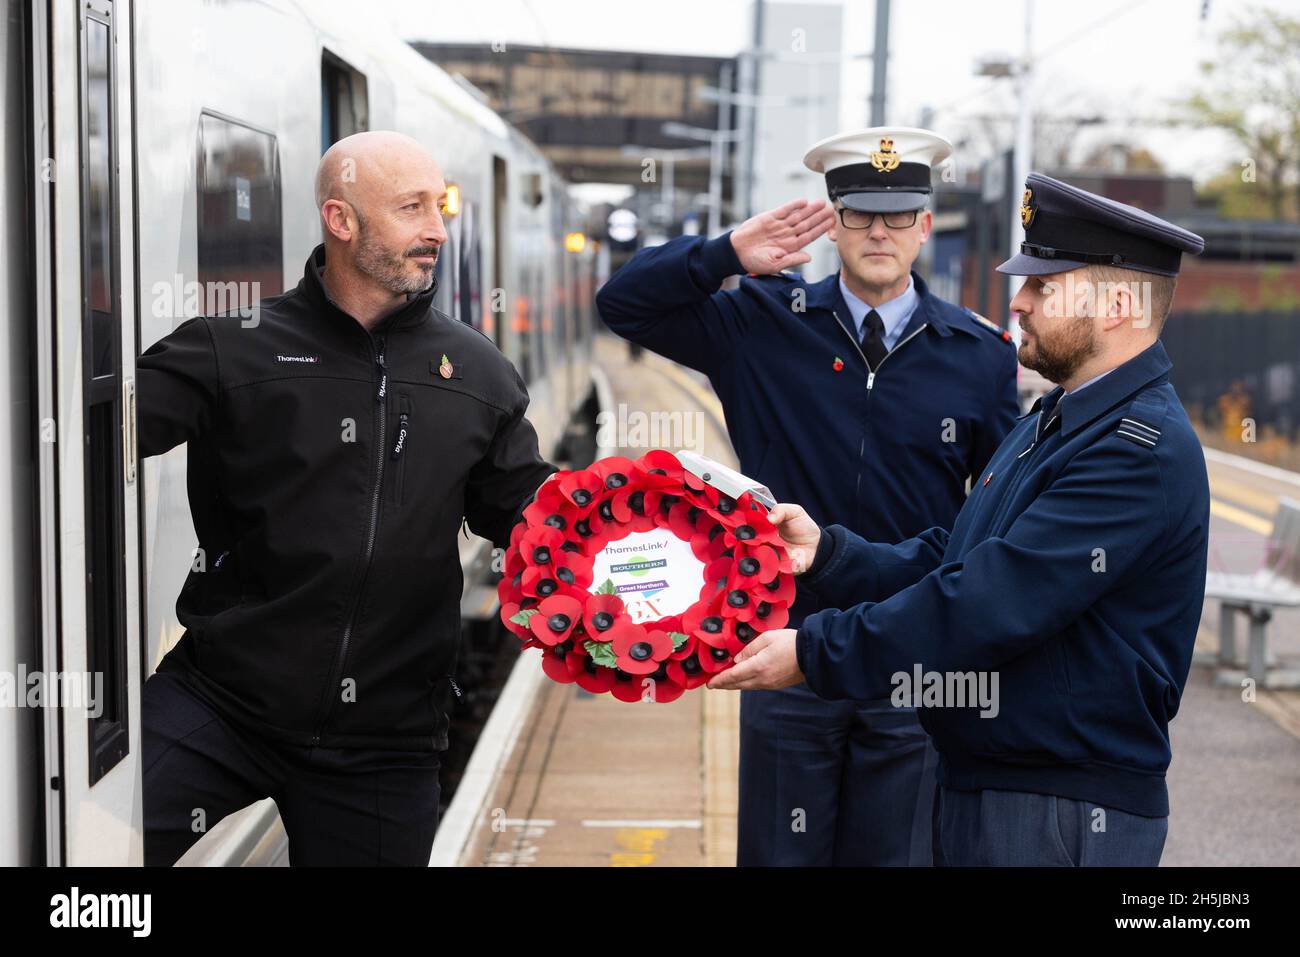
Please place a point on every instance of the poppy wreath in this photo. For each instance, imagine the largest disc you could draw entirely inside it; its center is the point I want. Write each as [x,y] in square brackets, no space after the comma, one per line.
[588,637]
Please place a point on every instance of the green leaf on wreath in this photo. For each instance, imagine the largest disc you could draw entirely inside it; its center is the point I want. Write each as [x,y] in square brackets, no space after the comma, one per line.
[602,653]
[521,617]
[678,638]
[606,587]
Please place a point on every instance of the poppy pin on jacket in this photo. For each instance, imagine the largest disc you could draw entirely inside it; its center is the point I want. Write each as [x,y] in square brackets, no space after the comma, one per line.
[838,364]
[446,368]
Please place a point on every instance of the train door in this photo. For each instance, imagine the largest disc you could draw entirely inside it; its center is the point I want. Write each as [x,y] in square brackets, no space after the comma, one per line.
[496,302]
[89,582]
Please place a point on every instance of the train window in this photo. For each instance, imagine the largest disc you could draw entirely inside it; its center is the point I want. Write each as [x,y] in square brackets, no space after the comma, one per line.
[343,101]
[470,267]
[444,275]
[241,254]
[106,632]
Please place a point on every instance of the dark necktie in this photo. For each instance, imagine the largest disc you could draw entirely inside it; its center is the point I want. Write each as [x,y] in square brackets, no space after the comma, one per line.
[873,339]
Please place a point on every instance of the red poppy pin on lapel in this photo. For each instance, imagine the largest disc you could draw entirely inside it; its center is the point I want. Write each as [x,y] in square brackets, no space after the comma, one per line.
[838,364]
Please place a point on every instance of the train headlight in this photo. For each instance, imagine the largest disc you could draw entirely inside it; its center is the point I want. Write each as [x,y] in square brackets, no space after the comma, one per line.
[575,242]
[451,205]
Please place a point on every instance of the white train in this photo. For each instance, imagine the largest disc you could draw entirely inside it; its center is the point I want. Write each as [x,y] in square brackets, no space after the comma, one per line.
[150,145]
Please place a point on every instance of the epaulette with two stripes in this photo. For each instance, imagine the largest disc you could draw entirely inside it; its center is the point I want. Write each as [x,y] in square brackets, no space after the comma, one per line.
[1139,432]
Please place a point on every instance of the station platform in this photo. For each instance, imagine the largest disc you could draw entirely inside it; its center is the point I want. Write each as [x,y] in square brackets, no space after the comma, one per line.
[562,778]
[589,780]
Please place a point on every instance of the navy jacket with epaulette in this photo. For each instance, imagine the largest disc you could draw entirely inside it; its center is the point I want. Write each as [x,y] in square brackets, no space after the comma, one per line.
[886,455]
[1075,572]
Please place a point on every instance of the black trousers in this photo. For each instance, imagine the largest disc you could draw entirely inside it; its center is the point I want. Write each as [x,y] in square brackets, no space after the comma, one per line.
[339,807]
[833,783]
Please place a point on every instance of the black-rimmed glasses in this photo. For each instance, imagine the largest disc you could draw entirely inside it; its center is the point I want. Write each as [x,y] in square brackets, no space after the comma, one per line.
[857,219]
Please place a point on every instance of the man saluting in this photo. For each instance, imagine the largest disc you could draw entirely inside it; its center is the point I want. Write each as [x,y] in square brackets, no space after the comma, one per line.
[1075,571]
[866,398]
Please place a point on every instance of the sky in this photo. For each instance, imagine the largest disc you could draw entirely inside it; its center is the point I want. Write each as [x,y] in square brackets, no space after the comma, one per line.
[1125,60]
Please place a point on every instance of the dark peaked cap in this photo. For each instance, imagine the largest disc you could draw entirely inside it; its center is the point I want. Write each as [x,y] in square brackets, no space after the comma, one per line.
[1067,227]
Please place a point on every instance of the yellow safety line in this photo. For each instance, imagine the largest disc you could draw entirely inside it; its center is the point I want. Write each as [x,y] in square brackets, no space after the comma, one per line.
[1242,494]
[1239,516]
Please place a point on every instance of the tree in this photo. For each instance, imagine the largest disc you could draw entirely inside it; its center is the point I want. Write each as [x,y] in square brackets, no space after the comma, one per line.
[1251,90]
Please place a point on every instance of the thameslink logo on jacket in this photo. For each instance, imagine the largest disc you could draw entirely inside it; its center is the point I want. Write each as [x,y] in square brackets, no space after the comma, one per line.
[280,358]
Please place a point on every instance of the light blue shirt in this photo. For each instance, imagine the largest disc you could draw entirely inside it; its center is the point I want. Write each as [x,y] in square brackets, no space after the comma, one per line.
[894,314]
[1081,387]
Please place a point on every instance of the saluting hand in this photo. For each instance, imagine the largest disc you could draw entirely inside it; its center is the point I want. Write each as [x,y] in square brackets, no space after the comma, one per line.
[799,533]
[772,241]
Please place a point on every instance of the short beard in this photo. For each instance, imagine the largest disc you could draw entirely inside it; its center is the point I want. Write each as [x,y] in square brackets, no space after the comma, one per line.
[388,268]
[1059,357]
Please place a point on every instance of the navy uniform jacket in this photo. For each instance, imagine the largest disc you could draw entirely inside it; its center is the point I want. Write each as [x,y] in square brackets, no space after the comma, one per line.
[1076,571]
[885,455]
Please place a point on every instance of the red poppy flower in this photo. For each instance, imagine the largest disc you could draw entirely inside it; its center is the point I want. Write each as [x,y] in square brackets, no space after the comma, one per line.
[753,566]
[777,590]
[714,660]
[599,614]
[512,563]
[509,610]
[589,675]
[686,647]
[540,543]
[540,582]
[572,568]
[664,689]
[768,616]
[559,514]
[709,542]
[682,518]
[555,619]
[755,530]
[738,634]
[658,461]
[583,489]
[614,472]
[637,650]
[669,623]
[635,508]
[511,588]
[705,622]
[688,672]
[627,687]
[555,662]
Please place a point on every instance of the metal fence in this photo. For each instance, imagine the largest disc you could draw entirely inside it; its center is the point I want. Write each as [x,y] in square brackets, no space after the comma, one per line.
[1238,371]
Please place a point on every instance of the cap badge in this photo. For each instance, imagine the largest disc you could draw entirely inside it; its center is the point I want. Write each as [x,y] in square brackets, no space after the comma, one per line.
[1026,211]
[886,160]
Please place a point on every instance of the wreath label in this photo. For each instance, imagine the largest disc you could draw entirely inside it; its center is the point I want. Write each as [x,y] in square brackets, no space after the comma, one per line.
[655,573]
[636,578]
